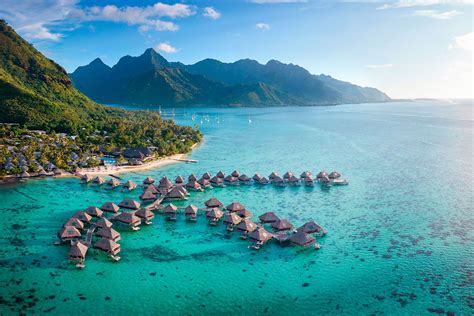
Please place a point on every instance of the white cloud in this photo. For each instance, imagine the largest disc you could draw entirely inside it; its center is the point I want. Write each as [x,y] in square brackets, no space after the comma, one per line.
[276,1]
[212,13]
[39,31]
[465,42]
[435,14]
[380,66]
[418,3]
[262,26]
[167,48]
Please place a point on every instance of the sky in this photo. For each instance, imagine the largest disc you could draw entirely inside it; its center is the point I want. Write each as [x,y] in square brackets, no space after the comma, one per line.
[406,48]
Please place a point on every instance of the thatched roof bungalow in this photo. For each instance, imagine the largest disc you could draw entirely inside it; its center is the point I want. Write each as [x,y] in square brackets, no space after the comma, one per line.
[246,226]
[179,180]
[220,174]
[75,222]
[69,233]
[257,177]
[244,178]
[217,181]
[24,174]
[322,174]
[94,211]
[145,214]
[310,228]
[282,224]
[151,188]
[86,178]
[192,177]
[263,180]
[268,217]
[78,251]
[213,202]
[244,213]
[273,175]
[83,217]
[103,223]
[231,179]
[191,211]
[324,180]
[99,180]
[288,174]
[235,174]
[147,196]
[334,175]
[235,207]
[206,176]
[293,180]
[110,207]
[165,184]
[302,239]
[170,211]
[232,219]
[214,215]
[260,235]
[113,183]
[109,233]
[130,185]
[129,218]
[193,185]
[306,174]
[107,245]
[129,204]
[175,194]
[148,180]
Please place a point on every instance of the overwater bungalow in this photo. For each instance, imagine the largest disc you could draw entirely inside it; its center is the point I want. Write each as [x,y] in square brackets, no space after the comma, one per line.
[244,213]
[235,174]
[192,177]
[231,220]
[94,211]
[288,175]
[214,215]
[146,215]
[217,182]
[175,194]
[113,183]
[334,175]
[165,184]
[86,178]
[109,246]
[206,176]
[78,252]
[213,202]
[310,228]
[281,237]
[235,207]
[322,174]
[179,180]
[308,181]
[259,237]
[75,222]
[231,179]
[306,174]
[109,233]
[268,217]
[324,181]
[220,174]
[303,239]
[24,175]
[273,175]
[244,179]
[170,212]
[98,180]
[182,189]
[110,207]
[69,233]
[147,195]
[103,223]
[292,180]
[263,181]
[129,219]
[83,217]
[205,183]
[193,186]
[246,226]
[282,225]
[130,185]
[129,204]
[257,177]
[148,180]
[151,188]
[191,212]
[278,181]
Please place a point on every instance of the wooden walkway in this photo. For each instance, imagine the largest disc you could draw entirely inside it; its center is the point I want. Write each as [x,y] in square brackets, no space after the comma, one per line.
[90,233]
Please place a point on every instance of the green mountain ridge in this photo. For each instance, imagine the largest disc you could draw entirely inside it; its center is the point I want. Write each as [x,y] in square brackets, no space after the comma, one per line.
[150,80]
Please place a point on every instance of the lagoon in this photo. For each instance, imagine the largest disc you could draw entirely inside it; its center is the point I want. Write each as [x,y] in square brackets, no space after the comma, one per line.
[400,235]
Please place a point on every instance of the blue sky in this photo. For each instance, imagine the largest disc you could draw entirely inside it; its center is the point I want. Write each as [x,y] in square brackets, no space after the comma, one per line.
[407,48]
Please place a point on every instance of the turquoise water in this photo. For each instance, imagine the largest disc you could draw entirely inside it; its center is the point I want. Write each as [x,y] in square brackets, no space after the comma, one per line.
[400,235]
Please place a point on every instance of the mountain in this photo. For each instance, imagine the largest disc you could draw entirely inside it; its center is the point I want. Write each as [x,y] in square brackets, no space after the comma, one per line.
[150,80]
[37,93]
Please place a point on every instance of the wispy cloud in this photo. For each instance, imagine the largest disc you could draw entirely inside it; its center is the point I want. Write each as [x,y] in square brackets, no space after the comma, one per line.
[262,26]
[465,42]
[419,3]
[276,1]
[212,13]
[380,66]
[435,14]
[166,47]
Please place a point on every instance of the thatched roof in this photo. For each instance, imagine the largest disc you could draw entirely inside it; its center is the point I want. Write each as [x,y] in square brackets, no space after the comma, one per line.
[302,239]
[288,174]
[231,179]
[247,225]
[103,222]
[282,224]
[244,213]
[83,217]
[235,173]
[215,213]
[334,175]
[108,232]
[179,179]
[235,207]
[306,174]
[182,189]
[260,234]
[263,180]
[110,207]
[86,178]
[151,188]
[25,174]
[75,222]
[190,210]
[148,180]
[107,245]
[324,179]
[78,251]
[176,193]
[165,183]
[130,185]
[308,180]
[94,211]
[193,185]
[277,179]
[322,174]
[293,179]
[206,176]
[204,182]
[268,217]
[217,180]
[213,202]
[273,175]
[257,177]
[130,204]
[147,196]
[99,180]
[192,177]
[310,227]
[42,173]
[113,182]
[69,232]
[170,209]
[232,218]
[244,178]
[128,218]
[145,214]
[220,174]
